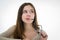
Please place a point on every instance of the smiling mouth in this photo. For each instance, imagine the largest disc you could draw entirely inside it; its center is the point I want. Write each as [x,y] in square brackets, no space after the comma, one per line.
[27,18]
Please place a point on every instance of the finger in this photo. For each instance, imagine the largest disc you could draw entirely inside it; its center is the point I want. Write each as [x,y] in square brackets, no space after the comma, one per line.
[42,38]
[44,34]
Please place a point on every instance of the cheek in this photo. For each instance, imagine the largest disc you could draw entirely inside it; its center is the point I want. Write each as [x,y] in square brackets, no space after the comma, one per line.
[33,15]
[23,16]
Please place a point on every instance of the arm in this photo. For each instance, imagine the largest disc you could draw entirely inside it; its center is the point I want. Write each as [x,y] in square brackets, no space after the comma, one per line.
[8,32]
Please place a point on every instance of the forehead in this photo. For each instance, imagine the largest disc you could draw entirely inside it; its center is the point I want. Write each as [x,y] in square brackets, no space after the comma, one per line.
[28,7]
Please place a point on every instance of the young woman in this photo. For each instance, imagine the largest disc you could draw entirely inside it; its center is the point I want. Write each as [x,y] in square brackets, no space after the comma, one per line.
[26,27]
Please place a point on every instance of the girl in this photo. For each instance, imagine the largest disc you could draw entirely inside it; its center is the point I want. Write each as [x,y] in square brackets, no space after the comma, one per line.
[26,27]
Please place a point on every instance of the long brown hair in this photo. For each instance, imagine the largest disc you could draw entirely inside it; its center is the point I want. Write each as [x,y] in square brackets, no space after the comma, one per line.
[19,31]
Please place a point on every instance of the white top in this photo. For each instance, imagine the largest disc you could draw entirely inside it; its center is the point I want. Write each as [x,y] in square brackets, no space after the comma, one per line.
[37,37]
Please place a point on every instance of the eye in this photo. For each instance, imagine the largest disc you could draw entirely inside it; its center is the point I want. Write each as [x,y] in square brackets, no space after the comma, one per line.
[25,11]
[32,11]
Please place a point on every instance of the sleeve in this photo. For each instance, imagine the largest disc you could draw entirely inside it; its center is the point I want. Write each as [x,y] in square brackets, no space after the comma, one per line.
[8,32]
[4,38]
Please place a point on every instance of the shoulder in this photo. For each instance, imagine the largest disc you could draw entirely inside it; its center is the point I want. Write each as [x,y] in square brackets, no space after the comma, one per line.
[8,32]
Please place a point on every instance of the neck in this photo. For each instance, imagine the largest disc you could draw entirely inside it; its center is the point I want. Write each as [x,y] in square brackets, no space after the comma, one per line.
[28,27]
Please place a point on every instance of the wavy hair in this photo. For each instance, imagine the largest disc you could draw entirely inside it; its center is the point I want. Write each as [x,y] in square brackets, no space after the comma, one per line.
[19,31]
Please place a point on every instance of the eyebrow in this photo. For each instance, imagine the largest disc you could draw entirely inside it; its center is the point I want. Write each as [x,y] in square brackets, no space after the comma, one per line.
[30,9]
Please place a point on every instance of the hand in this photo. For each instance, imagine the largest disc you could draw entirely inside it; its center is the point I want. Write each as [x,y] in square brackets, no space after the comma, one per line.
[44,36]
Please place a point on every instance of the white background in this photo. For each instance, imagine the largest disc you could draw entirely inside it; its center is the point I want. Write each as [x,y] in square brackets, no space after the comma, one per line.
[48,13]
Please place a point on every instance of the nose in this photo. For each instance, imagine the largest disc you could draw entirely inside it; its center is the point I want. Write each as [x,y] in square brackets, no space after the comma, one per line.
[28,14]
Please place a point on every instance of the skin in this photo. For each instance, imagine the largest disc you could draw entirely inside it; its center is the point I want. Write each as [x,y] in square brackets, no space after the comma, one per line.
[28,12]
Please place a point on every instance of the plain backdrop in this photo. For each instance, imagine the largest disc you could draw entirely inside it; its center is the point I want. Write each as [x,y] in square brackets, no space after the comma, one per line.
[48,14]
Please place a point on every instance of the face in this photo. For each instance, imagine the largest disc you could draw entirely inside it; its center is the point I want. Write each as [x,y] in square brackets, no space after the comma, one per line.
[28,14]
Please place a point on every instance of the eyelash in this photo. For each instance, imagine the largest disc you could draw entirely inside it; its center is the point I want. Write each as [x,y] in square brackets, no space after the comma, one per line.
[32,11]
[26,11]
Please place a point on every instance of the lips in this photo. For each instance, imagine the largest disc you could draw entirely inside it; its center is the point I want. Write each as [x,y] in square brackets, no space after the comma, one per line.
[27,18]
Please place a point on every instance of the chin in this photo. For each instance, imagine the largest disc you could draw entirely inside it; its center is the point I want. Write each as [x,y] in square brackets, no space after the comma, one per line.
[28,22]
